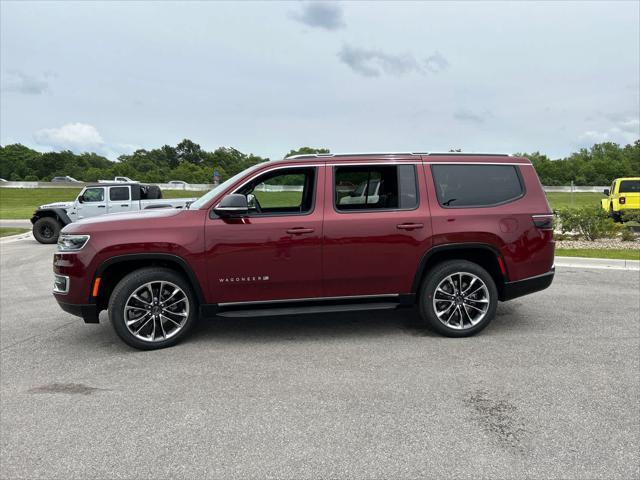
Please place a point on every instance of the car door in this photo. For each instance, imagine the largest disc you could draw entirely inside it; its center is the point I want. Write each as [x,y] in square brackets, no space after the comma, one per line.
[119,199]
[92,203]
[373,246]
[274,252]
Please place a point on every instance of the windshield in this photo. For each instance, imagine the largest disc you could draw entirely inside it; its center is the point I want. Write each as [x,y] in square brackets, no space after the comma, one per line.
[203,200]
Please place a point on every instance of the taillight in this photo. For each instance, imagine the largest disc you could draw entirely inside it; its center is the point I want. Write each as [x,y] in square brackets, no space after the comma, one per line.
[622,200]
[543,222]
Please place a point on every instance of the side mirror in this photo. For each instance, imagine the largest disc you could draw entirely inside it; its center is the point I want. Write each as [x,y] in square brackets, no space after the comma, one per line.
[606,192]
[80,199]
[232,206]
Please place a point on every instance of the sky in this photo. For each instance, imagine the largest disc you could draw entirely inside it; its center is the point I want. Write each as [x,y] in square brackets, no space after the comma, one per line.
[267,77]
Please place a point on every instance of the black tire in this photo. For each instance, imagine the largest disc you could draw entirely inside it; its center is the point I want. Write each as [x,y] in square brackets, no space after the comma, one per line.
[468,269]
[47,230]
[133,282]
[615,216]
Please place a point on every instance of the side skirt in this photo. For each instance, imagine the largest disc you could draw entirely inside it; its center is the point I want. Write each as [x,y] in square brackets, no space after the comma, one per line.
[307,306]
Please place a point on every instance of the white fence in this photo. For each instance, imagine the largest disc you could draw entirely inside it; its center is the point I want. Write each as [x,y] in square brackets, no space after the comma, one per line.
[574,189]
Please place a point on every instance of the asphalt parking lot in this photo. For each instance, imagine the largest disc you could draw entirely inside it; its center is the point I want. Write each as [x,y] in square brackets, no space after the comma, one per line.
[549,390]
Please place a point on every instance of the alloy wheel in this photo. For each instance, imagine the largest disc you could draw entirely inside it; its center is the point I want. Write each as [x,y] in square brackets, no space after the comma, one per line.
[461,300]
[156,311]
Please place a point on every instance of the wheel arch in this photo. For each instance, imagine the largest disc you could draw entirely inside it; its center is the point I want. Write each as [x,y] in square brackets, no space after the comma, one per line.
[483,254]
[58,213]
[114,269]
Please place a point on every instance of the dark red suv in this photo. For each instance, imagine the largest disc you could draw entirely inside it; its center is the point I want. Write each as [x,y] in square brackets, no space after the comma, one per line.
[449,233]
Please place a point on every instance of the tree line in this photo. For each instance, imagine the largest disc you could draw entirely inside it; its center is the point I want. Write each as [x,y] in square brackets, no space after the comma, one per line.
[188,162]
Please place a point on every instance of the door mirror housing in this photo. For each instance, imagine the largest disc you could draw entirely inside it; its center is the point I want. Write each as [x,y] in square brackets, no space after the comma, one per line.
[232,206]
[606,192]
[81,198]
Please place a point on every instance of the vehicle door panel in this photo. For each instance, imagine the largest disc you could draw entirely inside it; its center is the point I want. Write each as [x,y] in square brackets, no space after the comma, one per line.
[373,252]
[119,199]
[260,258]
[93,203]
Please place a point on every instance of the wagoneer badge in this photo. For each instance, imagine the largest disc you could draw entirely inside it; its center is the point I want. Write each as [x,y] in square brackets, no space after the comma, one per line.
[259,278]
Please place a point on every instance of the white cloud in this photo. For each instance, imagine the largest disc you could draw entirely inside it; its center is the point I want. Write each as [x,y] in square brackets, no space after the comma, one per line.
[77,137]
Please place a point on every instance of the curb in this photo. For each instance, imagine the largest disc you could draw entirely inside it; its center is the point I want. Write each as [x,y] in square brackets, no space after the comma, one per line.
[604,263]
[15,238]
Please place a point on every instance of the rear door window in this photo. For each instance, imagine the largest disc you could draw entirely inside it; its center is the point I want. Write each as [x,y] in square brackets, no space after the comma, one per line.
[476,185]
[118,194]
[375,187]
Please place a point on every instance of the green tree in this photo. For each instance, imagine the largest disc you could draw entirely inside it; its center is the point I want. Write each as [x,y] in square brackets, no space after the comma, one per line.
[306,151]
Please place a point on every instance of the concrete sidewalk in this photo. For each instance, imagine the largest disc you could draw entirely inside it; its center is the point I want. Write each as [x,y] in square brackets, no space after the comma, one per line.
[606,263]
[16,223]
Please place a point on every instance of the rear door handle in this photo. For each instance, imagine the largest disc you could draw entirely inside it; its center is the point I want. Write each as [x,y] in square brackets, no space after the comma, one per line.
[409,226]
[124,205]
[299,230]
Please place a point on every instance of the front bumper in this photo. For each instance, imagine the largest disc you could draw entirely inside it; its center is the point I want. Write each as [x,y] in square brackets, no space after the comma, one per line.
[88,312]
[529,285]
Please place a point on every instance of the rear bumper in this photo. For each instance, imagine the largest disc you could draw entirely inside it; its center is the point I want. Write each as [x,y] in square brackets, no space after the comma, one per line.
[89,313]
[520,288]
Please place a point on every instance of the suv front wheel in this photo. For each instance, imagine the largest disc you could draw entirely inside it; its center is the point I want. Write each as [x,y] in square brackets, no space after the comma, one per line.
[458,299]
[152,308]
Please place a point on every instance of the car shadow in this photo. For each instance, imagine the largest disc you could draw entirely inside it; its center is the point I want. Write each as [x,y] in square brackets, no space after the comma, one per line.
[310,327]
[314,327]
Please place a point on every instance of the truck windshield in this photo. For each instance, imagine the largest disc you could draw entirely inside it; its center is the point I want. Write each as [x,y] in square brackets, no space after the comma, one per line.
[203,200]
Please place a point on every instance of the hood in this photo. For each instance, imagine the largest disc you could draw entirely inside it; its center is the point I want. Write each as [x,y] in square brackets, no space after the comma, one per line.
[64,205]
[138,216]
[144,220]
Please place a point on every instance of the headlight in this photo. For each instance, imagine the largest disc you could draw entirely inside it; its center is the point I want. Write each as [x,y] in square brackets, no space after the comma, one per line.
[72,243]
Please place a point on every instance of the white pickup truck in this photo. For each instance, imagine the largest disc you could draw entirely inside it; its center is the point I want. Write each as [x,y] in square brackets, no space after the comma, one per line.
[96,200]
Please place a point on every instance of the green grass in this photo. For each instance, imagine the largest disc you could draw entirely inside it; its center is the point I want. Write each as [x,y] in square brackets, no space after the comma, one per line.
[22,202]
[571,200]
[6,231]
[618,253]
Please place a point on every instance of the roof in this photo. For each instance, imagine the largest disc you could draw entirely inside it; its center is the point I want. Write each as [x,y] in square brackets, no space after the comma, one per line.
[113,184]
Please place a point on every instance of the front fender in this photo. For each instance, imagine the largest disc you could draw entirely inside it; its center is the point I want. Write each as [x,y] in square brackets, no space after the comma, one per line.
[59,214]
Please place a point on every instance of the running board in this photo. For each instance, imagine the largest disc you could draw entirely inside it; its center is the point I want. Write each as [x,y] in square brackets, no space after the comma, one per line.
[301,310]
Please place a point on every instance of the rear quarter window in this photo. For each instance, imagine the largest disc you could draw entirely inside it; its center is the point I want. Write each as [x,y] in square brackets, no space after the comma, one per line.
[476,185]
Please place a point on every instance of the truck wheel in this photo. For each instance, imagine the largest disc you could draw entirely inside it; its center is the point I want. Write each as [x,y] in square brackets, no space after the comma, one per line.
[152,308]
[458,299]
[46,230]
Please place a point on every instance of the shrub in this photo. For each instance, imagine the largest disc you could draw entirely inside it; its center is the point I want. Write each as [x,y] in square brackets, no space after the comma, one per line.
[590,222]
[627,235]
[630,215]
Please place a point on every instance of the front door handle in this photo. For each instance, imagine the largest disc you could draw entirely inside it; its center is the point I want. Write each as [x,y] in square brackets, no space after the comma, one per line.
[299,230]
[409,226]
[101,206]
[124,205]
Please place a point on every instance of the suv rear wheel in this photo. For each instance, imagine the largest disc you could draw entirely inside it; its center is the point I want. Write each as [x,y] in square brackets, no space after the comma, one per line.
[458,299]
[152,308]
[46,230]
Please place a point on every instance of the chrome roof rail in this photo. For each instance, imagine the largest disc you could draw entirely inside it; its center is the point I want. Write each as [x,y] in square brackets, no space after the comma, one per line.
[364,154]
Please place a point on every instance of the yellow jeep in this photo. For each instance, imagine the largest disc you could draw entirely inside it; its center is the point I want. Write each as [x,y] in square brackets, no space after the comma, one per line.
[623,195]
